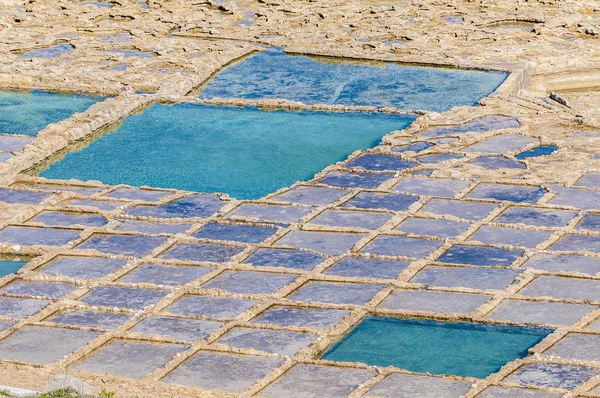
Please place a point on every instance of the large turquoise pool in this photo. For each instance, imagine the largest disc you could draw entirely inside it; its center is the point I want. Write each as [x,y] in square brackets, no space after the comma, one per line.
[461,348]
[244,152]
[28,112]
[274,74]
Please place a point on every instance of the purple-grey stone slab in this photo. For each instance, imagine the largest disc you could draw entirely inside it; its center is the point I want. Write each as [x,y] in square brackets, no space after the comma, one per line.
[540,312]
[105,205]
[416,147]
[83,267]
[235,232]
[29,236]
[386,201]
[487,123]
[467,210]
[145,195]
[133,359]
[585,199]
[590,221]
[333,243]
[380,162]
[53,290]
[552,375]
[577,243]
[208,252]
[367,268]
[431,186]
[497,162]
[510,193]
[217,371]
[78,189]
[578,346]
[558,287]
[248,282]
[165,274]
[311,381]
[14,307]
[22,197]
[501,144]
[100,320]
[504,392]
[483,256]
[123,297]
[474,278]
[351,218]
[5,156]
[319,318]
[5,325]
[398,385]
[336,293]
[297,259]
[43,345]
[280,342]
[311,196]
[355,180]
[590,180]
[274,213]
[177,328]
[153,228]
[402,246]
[495,235]
[212,307]
[433,227]
[197,206]
[67,219]
[536,217]
[126,245]
[438,158]
[564,263]
[11,143]
[432,301]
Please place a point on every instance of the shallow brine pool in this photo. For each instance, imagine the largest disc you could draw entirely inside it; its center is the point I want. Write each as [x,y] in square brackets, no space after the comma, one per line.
[244,152]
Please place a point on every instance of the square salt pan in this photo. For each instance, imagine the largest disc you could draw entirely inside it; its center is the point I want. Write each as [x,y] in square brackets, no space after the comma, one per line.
[212,307]
[336,293]
[581,347]
[30,236]
[467,210]
[280,342]
[322,242]
[283,214]
[433,227]
[53,290]
[577,243]
[126,245]
[564,263]
[67,219]
[431,186]
[311,196]
[511,193]
[320,318]
[413,385]
[123,297]
[83,267]
[502,392]
[350,218]
[501,144]
[100,320]
[14,307]
[43,345]
[297,259]
[247,282]
[387,201]
[318,381]
[165,275]
[235,232]
[552,375]
[536,217]
[144,195]
[177,328]
[432,301]
[474,278]
[22,197]
[540,312]
[197,206]
[218,371]
[367,268]
[380,162]
[355,180]
[129,358]
[402,246]
[495,235]
[480,255]
[206,252]
[153,228]
[557,287]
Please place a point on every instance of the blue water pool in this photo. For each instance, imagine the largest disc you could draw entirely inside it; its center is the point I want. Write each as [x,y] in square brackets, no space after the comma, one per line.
[274,74]
[461,349]
[29,112]
[10,266]
[244,152]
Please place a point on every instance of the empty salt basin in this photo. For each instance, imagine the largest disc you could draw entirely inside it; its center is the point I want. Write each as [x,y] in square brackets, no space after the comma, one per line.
[460,348]
[244,152]
[323,80]
[29,112]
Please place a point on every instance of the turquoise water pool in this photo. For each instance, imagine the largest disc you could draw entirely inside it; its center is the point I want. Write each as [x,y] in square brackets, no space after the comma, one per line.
[29,112]
[244,152]
[274,74]
[461,349]
[10,266]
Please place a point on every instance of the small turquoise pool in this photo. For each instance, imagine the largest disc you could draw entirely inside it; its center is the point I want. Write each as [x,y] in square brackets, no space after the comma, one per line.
[244,152]
[460,349]
[10,266]
[274,74]
[29,112]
